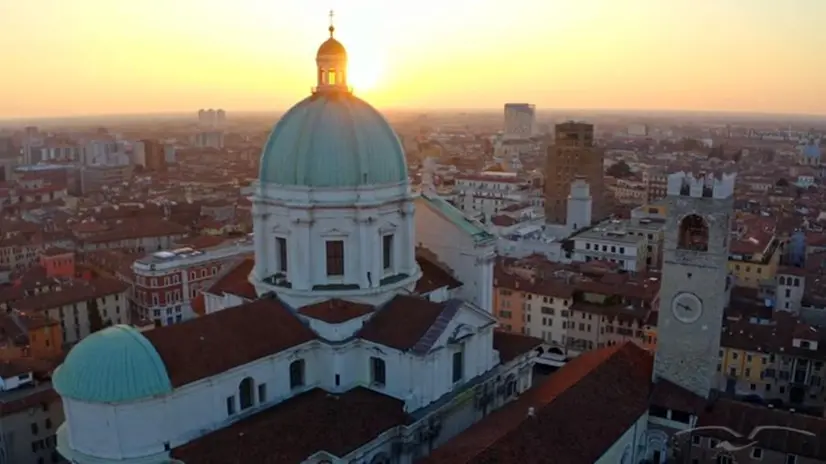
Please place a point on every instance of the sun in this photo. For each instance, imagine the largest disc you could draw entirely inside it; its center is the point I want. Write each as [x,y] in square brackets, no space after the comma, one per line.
[364,72]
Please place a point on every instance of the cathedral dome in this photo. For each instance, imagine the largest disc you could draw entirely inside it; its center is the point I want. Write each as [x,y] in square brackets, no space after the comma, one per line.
[115,365]
[331,47]
[332,139]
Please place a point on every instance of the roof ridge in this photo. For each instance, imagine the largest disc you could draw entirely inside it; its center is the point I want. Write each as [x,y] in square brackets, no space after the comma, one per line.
[437,328]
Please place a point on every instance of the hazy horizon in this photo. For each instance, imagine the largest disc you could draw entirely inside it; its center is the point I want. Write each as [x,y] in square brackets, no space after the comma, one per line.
[542,114]
[94,58]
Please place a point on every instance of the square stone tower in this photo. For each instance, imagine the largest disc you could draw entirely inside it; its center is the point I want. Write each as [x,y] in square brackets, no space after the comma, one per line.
[695,280]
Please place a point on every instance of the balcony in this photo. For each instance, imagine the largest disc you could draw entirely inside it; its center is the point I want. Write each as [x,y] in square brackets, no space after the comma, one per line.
[278,280]
[298,294]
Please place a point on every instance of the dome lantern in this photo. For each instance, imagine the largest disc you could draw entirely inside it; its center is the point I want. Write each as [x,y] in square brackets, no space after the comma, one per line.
[331,60]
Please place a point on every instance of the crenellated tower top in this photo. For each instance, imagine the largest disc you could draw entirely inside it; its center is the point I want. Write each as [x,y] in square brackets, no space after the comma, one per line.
[702,186]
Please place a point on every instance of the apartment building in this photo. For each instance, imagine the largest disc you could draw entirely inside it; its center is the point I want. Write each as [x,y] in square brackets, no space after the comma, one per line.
[577,312]
[612,242]
[773,355]
[31,413]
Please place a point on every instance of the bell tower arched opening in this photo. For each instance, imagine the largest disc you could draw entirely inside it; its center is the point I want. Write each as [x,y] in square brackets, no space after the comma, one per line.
[694,233]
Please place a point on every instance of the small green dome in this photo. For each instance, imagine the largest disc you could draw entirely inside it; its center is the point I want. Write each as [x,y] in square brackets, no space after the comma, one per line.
[332,139]
[115,365]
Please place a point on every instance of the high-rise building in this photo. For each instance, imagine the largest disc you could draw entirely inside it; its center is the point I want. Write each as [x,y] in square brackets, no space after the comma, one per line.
[155,156]
[520,120]
[209,139]
[572,155]
[211,117]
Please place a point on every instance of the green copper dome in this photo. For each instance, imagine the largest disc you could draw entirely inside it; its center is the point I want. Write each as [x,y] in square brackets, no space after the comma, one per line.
[332,139]
[115,365]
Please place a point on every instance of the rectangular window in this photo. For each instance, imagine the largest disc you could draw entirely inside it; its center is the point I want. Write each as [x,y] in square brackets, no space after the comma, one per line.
[387,252]
[230,405]
[262,393]
[378,373]
[458,365]
[281,248]
[335,257]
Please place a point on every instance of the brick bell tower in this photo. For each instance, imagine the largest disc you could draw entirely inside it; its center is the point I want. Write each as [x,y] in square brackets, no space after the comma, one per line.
[695,281]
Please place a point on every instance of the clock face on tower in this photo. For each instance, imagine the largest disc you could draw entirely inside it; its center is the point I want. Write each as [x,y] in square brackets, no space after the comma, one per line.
[687,307]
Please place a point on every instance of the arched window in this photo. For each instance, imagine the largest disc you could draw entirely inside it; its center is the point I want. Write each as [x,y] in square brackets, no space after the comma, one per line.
[782,280]
[246,393]
[693,233]
[297,373]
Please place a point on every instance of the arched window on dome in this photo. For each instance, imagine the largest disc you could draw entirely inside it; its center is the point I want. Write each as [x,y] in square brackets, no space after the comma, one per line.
[331,77]
[246,393]
[693,233]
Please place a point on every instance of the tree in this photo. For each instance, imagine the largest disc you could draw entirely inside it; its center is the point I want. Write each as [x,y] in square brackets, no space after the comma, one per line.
[95,319]
[782,183]
[619,170]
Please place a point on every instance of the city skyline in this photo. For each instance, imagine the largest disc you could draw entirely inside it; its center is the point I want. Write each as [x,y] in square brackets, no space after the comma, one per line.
[252,55]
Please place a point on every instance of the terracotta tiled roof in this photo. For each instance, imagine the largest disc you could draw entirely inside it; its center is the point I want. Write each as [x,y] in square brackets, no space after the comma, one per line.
[55,251]
[503,220]
[744,418]
[571,421]
[235,281]
[201,242]
[135,229]
[402,322]
[39,395]
[668,395]
[301,426]
[621,312]
[208,345]
[511,345]
[775,337]
[199,305]
[433,277]
[74,292]
[551,288]
[335,311]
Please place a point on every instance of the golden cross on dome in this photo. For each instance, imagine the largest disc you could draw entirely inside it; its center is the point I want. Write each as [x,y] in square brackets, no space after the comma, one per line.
[332,27]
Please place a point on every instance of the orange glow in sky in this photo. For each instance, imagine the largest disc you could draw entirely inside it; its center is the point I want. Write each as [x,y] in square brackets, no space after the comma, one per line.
[116,57]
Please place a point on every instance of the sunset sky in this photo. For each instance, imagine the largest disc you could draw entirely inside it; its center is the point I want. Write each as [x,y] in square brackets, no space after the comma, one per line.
[83,57]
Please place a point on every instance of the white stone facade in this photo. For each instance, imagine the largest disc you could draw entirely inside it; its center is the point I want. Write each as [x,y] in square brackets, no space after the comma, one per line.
[306,219]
